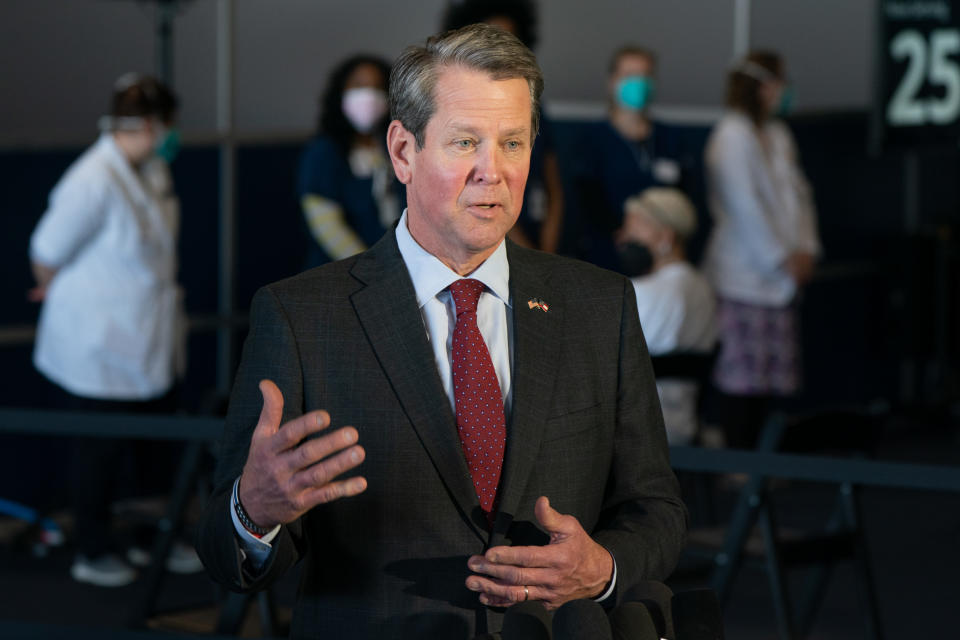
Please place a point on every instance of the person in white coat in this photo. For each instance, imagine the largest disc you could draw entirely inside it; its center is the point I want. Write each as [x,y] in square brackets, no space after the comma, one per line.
[110,334]
[762,247]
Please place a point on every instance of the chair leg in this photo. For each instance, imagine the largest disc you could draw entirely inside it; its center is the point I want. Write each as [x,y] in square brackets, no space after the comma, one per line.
[727,562]
[814,591]
[268,613]
[861,559]
[169,527]
[816,583]
[775,570]
[232,612]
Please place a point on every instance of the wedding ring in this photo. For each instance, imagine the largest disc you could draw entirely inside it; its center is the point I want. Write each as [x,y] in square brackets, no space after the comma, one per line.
[526,594]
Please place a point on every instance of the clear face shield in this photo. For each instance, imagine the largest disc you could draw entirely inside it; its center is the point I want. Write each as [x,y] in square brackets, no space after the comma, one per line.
[166,139]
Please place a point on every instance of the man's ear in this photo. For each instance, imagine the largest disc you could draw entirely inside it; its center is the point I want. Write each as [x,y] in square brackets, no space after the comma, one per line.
[401,145]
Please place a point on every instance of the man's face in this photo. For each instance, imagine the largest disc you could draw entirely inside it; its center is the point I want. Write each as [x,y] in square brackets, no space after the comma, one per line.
[465,186]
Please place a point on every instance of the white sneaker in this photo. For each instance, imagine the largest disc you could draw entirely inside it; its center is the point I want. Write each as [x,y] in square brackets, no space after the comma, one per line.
[182,559]
[105,571]
[138,557]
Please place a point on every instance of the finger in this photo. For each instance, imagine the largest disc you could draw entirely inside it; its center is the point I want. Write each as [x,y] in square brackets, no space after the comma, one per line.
[531,557]
[311,451]
[292,433]
[552,521]
[272,411]
[491,601]
[326,471]
[511,574]
[333,491]
[494,592]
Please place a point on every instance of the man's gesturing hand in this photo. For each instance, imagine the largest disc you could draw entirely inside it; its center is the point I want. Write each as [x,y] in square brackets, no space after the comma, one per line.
[572,566]
[285,475]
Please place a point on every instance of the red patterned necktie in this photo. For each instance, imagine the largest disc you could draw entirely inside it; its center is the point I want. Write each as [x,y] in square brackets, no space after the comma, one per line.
[479,401]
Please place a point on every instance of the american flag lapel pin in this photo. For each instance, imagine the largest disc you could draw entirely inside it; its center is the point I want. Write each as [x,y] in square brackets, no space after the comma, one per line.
[537,303]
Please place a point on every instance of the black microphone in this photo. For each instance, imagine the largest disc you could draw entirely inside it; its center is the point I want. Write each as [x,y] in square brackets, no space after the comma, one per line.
[579,619]
[697,615]
[657,597]
[526,621]
[632,621]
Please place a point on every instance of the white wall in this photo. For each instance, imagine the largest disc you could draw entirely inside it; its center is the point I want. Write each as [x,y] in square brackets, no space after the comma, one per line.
[61,56]
[827,44]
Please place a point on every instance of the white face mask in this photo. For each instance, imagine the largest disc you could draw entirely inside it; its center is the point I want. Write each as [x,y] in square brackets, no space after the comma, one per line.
[364,107]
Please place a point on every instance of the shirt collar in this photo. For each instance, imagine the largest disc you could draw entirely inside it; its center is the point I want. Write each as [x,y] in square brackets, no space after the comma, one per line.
[430,276]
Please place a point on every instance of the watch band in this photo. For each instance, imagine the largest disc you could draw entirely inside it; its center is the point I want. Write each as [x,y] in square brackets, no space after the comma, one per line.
[244,517]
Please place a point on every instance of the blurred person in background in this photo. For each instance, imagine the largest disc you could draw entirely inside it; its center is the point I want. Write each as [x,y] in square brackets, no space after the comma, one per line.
[676,304]
[621,157]
[346,185]
[541,219]
[110,336]
[762,247]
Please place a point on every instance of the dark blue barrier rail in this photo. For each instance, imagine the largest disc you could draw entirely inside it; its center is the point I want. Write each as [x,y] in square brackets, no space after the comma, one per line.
[817,468]
[777,465]
[110,425]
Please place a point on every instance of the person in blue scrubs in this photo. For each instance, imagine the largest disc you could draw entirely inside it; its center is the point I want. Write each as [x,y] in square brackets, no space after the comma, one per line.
[622,156]
[347,190]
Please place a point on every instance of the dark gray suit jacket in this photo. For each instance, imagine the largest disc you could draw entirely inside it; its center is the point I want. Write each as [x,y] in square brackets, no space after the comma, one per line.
[585,430]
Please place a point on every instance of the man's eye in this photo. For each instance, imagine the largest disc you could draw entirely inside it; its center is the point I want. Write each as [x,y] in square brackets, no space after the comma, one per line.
[513,145]
[464,144]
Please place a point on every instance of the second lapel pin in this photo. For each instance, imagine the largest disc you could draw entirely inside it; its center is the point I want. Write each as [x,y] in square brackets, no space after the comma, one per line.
[537,303]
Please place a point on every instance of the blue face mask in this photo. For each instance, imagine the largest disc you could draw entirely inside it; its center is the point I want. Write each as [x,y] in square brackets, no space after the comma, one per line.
[169,145]
[785,106]
[635,92]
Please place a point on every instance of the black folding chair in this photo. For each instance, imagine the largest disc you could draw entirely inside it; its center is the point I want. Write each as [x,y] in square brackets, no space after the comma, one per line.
[753,535]
[692,366]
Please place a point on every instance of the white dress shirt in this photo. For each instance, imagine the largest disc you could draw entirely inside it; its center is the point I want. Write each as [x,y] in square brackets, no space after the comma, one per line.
[111,325]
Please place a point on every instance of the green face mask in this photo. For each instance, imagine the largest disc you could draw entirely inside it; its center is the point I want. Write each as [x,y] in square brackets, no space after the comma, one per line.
[785,106]
[169,145]
[635,92]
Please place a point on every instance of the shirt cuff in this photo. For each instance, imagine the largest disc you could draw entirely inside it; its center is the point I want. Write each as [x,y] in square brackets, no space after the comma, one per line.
[257,550]
[613,583]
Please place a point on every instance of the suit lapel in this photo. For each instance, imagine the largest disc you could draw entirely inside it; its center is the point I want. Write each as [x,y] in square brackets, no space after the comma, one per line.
[535,360]
[387,309]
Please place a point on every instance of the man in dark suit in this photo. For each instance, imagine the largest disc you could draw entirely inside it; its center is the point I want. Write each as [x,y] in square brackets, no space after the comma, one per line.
[440,504]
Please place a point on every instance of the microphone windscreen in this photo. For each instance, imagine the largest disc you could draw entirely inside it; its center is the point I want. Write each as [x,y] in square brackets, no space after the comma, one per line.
[632,621]
[580,619]
[657,597]
[526,621]
[697,615]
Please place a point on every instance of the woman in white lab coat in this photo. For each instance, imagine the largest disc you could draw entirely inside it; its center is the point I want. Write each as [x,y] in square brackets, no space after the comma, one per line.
[110,334]
[762,247]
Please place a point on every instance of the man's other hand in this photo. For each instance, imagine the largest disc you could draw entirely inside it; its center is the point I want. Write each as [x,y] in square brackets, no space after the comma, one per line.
[571,566]
[287,474]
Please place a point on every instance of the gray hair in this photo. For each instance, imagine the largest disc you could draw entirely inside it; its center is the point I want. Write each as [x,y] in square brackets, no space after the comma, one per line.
[479,47]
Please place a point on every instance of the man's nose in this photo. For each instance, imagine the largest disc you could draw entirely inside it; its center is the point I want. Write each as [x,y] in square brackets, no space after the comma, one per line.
[487,168]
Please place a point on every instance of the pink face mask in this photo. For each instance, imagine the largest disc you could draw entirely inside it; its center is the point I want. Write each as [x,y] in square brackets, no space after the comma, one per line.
[364,107]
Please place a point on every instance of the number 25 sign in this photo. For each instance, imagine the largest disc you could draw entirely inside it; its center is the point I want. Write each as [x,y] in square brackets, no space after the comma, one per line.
[918,73]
